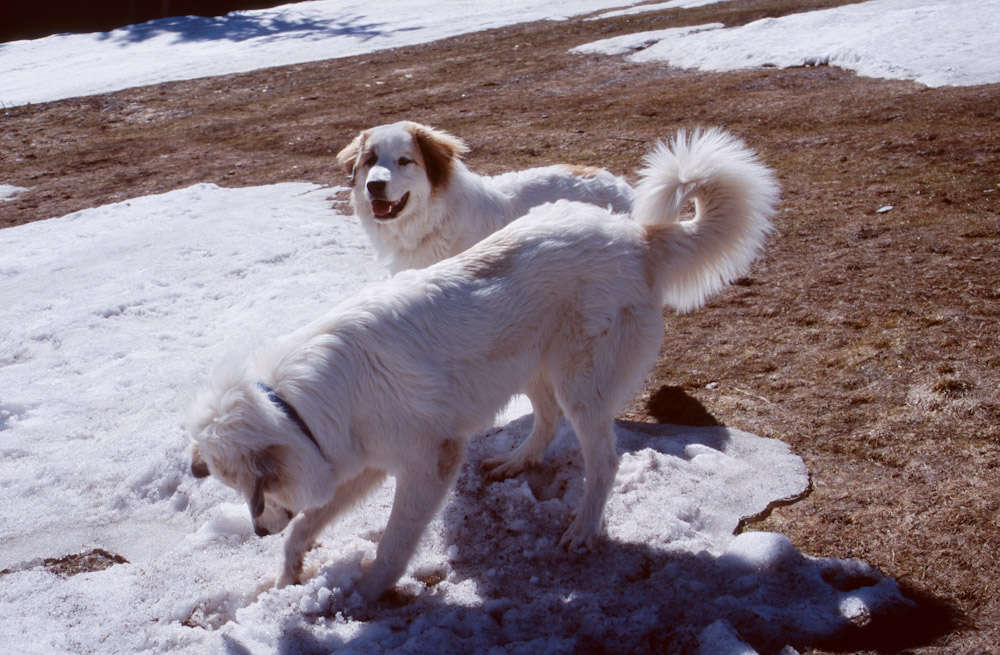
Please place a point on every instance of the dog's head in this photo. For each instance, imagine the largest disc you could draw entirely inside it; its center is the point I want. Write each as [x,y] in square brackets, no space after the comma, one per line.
[395,168]
[256,475]
[243,440]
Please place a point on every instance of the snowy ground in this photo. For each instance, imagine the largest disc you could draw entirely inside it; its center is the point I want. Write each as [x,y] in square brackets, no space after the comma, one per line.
[935,43]
[111,317]
[658,6]
[182,48]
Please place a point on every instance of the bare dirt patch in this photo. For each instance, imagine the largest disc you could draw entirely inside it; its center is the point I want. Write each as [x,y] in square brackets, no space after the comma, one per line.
[868,340]
[96,559]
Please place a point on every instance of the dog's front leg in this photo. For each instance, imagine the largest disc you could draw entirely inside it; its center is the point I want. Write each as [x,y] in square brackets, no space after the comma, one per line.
[420,490]
[311,523]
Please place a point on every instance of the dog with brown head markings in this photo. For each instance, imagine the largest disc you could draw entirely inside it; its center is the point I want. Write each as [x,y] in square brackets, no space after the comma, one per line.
[419,203]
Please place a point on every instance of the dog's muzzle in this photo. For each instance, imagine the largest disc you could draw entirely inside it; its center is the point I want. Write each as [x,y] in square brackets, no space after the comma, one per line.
[385,210]
[277,525]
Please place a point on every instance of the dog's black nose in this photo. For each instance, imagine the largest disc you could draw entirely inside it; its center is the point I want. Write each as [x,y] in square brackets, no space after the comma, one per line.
[261,531]
[376,187]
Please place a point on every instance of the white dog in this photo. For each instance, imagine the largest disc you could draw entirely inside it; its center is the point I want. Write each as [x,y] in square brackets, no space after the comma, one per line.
[565,304]
[419,203]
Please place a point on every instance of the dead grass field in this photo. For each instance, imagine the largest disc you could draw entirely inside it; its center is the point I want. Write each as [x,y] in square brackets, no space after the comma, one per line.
[868,341]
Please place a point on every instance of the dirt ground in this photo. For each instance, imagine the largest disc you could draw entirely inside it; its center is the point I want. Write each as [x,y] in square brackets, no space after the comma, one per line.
[868,340]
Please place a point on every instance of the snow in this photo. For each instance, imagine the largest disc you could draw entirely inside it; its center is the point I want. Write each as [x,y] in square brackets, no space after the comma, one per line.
[181,48]
[7,192]
[112,317]
[933,42]
[642,9]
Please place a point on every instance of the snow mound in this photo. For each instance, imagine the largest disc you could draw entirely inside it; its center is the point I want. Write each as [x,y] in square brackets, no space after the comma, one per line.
[934,43]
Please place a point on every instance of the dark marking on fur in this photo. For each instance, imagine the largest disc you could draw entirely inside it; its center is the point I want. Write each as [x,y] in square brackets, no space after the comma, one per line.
[583,171]
[449,458]
[439,150]
[257,499]
[266,463]
[490,265]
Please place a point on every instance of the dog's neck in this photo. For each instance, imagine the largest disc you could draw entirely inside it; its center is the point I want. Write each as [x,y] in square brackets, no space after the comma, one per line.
[291,413]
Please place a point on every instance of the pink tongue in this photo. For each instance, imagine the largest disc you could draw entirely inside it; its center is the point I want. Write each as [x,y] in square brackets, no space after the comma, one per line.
[381,207]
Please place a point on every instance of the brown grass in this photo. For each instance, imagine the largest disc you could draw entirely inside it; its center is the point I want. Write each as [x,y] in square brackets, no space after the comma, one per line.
[868,341]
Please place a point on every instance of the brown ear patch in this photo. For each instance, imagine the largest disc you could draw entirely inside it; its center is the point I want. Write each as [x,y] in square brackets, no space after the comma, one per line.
[439,150]
[266,463]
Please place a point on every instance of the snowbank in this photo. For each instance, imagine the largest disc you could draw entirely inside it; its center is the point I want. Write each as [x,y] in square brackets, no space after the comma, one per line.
[932,42]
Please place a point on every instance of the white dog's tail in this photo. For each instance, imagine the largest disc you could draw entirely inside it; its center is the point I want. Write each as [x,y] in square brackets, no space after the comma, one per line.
[734,196]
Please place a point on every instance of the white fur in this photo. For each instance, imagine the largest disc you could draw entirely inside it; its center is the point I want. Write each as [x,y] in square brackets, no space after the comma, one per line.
[446,214]
[565,304]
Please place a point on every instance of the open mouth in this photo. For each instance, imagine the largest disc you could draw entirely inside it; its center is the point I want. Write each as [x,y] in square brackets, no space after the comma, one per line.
[385,210]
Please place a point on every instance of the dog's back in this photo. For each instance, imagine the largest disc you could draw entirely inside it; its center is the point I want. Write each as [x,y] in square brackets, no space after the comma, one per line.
[536,186]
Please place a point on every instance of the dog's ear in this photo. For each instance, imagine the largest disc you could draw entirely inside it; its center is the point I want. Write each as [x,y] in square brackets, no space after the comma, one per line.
[265,466]
[348,157]
[439,150]
[257,499]
[266,463]
[199,467]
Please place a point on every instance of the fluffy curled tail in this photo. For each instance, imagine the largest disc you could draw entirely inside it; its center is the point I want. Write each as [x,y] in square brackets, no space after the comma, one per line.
[734,195]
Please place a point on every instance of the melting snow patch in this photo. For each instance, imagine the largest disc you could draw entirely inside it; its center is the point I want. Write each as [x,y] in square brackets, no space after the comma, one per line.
[7,192]
[934,43]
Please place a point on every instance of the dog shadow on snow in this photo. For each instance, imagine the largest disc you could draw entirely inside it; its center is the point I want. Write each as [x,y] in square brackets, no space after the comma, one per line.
[621,597]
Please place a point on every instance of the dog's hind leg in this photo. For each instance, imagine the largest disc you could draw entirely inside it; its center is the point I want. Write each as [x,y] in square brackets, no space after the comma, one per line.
[596,380]
[589,390]
[420,490]
[311,523]
[596,434]
[529,453]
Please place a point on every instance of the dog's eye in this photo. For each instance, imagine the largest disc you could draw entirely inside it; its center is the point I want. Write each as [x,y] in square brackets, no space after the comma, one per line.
[406,161]
[371,160]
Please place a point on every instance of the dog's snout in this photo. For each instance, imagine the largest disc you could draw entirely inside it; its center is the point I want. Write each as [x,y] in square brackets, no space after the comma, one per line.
[274,523]
[376,187]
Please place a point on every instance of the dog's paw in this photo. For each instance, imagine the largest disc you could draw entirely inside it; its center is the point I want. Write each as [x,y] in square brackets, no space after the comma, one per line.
[498,468]
[371,589]
[288,578]
[579,537]
[506,466]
